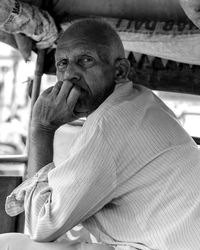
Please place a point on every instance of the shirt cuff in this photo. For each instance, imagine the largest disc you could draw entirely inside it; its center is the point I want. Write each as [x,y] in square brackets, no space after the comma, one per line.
[15,201]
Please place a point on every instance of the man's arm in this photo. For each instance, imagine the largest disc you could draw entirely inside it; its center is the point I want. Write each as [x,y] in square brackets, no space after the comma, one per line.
[73,191]
[53,108]
[60,197]
[40,148]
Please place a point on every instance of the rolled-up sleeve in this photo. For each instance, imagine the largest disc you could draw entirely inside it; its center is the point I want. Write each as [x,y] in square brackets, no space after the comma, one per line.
[69,193]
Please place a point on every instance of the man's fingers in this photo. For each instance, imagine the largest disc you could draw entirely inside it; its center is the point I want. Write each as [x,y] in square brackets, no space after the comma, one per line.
[61,89]
[47,91]
[56,88]
[64,90]
[73,98]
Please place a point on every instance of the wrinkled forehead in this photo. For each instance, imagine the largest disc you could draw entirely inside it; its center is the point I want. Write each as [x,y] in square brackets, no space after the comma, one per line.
[70,47]
[92,34]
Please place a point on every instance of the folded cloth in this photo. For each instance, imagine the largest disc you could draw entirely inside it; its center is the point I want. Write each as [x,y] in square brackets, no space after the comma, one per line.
[15,201]
[20,17]
[6,7]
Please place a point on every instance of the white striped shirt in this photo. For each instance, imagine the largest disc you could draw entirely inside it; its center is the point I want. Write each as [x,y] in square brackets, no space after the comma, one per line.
[132,177]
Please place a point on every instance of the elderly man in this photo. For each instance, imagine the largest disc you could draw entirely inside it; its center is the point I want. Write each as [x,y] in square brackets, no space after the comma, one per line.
[132,175]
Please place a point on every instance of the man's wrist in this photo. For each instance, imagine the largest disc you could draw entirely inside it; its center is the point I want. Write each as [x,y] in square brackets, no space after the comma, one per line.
[37,128]
[40,147]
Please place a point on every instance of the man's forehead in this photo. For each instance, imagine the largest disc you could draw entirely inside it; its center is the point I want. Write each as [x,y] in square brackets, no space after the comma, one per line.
[74,38]
[86,33]
[79,46]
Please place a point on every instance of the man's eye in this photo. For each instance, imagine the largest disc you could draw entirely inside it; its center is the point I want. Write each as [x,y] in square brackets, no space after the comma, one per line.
[61,64]
[86,61]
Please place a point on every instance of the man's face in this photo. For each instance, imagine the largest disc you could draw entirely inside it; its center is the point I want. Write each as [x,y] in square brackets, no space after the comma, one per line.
[78,61]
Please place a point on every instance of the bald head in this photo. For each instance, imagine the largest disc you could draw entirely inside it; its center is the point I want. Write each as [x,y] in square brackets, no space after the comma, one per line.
[98,33]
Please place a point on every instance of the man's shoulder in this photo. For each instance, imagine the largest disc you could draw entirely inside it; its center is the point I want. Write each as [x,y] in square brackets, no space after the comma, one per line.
[123,99]
[120,107]
[126,100]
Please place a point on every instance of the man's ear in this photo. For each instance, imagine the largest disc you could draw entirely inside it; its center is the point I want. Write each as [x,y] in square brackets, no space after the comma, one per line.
[122,68]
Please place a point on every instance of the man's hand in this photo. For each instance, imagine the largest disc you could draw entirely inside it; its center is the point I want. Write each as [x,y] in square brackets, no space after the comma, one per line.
[55,106]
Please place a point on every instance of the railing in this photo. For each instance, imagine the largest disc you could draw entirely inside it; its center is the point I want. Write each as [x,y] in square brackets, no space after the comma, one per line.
[13,159]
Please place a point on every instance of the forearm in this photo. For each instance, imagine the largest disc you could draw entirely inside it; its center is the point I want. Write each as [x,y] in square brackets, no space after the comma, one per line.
[40,148]
[50,111]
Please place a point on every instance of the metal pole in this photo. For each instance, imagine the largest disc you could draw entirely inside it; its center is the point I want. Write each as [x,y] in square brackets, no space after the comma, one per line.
[37,77]
[35,90]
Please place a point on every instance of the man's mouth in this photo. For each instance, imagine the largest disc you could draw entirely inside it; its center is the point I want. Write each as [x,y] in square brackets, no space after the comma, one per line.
[81,105]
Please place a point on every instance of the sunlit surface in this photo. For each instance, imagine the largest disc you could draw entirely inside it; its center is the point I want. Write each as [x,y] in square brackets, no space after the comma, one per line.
[187,109]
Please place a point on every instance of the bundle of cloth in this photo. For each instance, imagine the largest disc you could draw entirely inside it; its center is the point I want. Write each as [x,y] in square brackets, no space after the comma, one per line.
[30,22]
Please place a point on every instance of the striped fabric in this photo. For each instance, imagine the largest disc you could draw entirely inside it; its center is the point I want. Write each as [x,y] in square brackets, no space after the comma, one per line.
[132,178]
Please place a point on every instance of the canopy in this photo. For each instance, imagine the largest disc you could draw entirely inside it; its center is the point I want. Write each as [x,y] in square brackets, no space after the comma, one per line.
[132,10]
[149,29]
[61,10]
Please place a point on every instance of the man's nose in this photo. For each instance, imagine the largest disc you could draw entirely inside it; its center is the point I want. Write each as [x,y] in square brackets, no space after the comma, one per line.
[72,73]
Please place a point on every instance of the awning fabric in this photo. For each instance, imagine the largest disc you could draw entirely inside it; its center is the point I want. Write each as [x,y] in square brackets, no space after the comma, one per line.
[162,30]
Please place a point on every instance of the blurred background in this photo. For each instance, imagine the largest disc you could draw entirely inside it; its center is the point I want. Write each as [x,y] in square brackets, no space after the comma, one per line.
[16,77]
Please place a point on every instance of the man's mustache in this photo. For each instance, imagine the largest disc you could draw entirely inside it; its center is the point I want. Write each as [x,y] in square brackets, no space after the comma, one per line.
[82,85]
